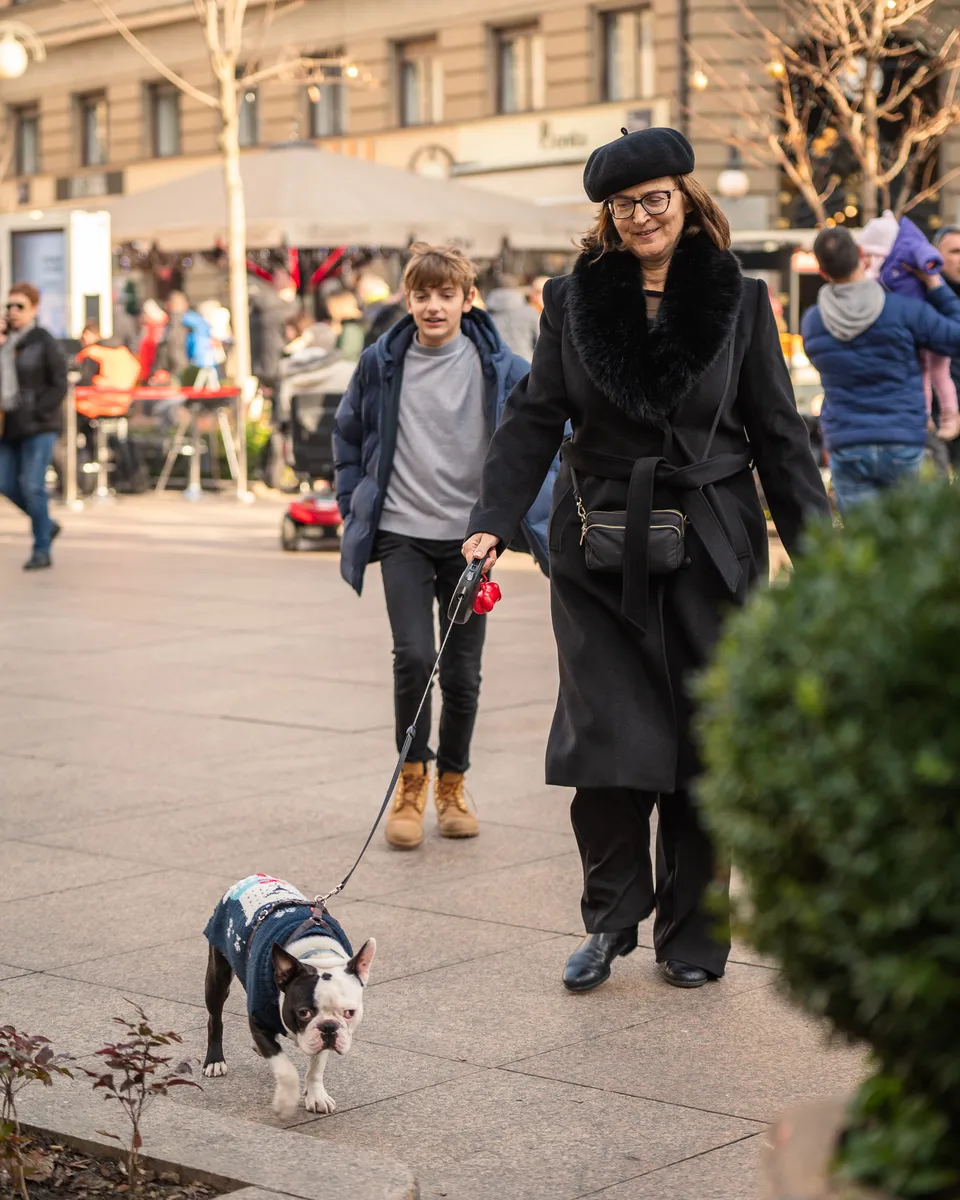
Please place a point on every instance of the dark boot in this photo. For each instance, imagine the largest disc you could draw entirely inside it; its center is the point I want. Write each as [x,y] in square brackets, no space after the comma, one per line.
[685,975]
[37,561]
[589,965]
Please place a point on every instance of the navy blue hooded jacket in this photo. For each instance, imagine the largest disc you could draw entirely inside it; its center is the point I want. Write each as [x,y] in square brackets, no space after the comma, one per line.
[872,384]
[365,437]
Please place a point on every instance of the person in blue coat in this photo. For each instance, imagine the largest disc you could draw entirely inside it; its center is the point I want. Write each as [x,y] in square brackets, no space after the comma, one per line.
[410,438]
[865,344]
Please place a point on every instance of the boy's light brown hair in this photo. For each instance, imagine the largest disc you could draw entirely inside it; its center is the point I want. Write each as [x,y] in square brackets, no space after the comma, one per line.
[434,266]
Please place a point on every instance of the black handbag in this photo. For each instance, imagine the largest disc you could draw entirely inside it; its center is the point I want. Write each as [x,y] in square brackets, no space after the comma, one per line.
[603,537]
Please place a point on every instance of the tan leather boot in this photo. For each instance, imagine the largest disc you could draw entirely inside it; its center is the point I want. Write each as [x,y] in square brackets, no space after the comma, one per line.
[404,827]
[454,818]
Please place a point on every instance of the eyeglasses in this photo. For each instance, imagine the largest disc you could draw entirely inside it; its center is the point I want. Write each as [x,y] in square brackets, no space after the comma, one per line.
[16,307]
[622,208]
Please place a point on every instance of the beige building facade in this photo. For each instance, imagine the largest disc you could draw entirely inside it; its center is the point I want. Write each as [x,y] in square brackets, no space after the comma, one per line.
[504,96]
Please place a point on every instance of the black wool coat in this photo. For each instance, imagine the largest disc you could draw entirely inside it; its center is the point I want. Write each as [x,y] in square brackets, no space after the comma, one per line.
[712,356]
[42,378]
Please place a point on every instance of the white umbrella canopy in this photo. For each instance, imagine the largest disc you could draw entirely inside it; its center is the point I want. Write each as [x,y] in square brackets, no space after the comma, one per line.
[298,195]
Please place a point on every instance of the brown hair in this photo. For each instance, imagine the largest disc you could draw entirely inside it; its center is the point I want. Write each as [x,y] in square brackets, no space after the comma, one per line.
[434,266]
[28,290]
[705,216]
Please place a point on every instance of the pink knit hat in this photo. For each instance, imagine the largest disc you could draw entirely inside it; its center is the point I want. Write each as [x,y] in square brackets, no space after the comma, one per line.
[877,236]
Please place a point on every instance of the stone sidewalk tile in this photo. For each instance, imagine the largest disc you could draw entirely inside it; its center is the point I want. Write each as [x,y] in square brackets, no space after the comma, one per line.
[408,943]
[78,1017]
[370,1073]
[151,739]
[438,868]
[226,1147]
[752,1054]
[512,1005]
[40,795]
[27,869]
[733,1172]
[540,894]
[493,1134]
[107,918]
[8,972]
[173,971]
[230,837]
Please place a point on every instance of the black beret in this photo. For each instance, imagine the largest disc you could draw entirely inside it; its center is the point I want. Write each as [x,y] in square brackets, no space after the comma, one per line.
[634,158]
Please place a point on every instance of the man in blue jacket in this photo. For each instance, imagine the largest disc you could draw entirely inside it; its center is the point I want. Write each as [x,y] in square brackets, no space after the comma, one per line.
[409,443]
[864,342]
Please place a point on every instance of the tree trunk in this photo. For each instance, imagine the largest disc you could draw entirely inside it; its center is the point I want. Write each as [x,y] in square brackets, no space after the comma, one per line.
[237,258]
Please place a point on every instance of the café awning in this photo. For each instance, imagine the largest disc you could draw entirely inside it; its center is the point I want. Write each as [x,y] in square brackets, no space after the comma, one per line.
[298,195]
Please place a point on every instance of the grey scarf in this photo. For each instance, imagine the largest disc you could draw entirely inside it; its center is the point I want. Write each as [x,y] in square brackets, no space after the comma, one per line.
[9,382]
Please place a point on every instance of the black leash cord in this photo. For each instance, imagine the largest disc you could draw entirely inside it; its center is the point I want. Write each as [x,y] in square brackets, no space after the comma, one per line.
[321,901]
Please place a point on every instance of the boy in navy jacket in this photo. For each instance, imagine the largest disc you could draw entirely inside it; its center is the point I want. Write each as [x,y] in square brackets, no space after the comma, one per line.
[410,439]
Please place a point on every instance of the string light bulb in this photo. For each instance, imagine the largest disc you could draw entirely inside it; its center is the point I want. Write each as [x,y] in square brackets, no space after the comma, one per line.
[776,69]
[352,72]
[699,80]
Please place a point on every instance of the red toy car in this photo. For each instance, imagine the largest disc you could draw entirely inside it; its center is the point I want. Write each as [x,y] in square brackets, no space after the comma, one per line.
[311,518]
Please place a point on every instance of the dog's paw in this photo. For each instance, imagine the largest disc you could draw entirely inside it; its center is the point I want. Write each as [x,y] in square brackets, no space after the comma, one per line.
[285,1101]
[215,1069]
[317,1100]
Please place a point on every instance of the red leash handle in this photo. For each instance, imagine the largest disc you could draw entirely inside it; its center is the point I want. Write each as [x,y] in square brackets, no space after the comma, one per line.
[488,595]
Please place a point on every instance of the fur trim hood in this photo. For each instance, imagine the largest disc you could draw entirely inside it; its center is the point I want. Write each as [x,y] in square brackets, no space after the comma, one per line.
[647,371]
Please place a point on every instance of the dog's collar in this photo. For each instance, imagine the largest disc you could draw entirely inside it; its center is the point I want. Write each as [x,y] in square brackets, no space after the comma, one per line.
[327,950]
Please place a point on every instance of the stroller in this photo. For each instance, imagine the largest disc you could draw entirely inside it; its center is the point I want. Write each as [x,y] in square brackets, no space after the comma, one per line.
[307,402]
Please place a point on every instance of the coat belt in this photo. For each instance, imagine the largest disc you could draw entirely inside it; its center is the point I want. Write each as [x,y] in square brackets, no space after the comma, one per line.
[700,505]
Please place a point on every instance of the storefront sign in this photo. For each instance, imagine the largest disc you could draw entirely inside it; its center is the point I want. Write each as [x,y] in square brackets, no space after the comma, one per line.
[535,140]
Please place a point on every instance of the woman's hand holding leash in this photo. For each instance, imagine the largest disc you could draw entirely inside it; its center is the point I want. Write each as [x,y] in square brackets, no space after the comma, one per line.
[481,545]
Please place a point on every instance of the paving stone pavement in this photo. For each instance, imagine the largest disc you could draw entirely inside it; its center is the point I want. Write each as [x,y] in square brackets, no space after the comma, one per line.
[183,704]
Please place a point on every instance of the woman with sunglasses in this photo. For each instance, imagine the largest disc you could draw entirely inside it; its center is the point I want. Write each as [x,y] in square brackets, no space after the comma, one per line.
[667,364]
[33,383]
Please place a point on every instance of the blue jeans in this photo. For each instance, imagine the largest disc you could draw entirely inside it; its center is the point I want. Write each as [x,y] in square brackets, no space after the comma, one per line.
[23,479]
[861,472]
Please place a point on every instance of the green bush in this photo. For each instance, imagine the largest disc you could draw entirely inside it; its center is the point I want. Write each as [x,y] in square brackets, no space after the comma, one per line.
[831,735]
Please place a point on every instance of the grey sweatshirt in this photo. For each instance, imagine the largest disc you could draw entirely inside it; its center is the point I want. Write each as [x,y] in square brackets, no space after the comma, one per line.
[850,308]
[441,442]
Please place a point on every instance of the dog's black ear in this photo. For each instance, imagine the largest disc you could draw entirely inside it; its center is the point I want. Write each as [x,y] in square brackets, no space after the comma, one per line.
[286,968]
[359,965]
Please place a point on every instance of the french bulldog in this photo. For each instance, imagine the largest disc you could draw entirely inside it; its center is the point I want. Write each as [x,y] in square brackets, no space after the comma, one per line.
[302,981]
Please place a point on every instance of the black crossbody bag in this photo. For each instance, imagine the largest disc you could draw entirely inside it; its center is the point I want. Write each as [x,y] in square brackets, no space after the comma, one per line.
[603,534]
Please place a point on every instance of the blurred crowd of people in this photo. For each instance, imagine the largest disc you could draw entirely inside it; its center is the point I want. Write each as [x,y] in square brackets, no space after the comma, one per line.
[177,342]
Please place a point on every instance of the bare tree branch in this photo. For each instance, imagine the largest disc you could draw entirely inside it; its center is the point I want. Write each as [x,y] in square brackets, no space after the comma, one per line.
[149,57]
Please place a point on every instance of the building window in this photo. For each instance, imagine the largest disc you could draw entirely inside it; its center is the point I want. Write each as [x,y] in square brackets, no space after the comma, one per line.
[26,140]
[627,54]
[325,99]
[520,69]
[249,117]
[420,75]
[94,149]
[164,101]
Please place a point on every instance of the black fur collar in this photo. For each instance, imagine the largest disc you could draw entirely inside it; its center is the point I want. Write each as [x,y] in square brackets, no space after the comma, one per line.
[647,372]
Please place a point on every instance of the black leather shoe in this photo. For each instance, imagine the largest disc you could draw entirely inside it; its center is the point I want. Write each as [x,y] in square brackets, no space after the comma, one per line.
[589,965]
[685,975]
[37,561]
[55,530]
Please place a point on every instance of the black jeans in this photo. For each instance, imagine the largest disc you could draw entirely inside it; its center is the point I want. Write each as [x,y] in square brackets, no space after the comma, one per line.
[419,573]
[612,827]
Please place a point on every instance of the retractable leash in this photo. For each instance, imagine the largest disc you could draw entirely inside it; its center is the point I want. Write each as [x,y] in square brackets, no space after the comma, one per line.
[473,594]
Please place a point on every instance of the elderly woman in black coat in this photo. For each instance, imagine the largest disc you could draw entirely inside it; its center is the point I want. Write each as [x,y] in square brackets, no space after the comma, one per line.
[667,363]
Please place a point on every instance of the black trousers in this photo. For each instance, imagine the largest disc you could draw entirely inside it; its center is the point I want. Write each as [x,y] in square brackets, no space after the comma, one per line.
[612,827]
[419,574]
